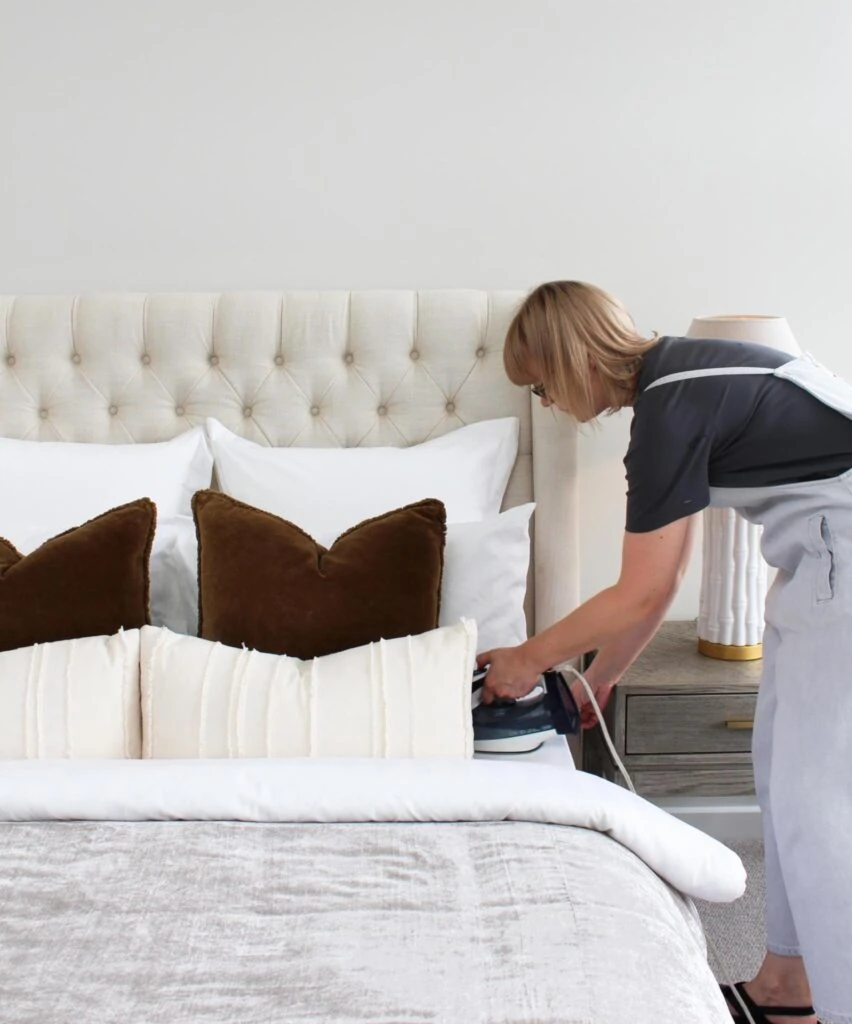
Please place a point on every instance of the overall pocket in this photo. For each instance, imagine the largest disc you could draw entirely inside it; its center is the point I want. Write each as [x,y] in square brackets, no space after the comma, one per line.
[823,545]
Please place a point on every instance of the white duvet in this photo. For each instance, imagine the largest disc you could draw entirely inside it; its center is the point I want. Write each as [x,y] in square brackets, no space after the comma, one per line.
[364,790]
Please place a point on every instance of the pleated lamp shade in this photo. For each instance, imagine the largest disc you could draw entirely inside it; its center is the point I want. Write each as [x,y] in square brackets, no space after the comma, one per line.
[733,572]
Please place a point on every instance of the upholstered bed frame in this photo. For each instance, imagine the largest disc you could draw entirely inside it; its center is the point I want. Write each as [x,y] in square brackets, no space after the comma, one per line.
[292,368]
[330,888]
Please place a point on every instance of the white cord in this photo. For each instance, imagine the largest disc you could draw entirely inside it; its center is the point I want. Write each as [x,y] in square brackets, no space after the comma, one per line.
[599,713]
[589,693]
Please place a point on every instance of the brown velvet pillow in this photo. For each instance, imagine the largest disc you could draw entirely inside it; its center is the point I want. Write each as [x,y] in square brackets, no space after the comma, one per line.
[265,583]
[89,581]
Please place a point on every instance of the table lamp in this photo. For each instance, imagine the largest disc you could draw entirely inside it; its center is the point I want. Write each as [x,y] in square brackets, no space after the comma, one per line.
[733,572]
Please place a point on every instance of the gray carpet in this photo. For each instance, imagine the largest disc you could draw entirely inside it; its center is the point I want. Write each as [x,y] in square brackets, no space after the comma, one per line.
[736,930]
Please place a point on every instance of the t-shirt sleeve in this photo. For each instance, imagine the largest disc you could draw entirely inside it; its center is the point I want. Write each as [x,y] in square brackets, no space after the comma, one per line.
[668,459]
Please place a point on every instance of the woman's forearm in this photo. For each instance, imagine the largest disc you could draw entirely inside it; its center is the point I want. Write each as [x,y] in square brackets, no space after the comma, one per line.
[616,657]
[622,617]
[605,620]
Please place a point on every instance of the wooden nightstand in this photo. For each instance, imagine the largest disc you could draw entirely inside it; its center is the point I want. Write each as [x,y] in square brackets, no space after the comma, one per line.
[681,722]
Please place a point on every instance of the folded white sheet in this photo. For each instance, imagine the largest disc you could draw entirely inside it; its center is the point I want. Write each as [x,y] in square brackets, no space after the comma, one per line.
[358,790]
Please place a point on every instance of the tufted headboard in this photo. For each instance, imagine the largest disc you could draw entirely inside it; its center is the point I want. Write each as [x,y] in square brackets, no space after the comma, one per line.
[292,368]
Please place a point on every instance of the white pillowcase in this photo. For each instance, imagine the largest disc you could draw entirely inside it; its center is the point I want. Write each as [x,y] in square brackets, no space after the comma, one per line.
[174,575]
[72,698]
[485,576]
[51,486]
[327,490]
[409,697]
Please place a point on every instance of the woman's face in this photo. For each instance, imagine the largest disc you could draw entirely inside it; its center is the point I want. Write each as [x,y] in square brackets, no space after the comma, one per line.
[538,386]
[540,391]
[599,399]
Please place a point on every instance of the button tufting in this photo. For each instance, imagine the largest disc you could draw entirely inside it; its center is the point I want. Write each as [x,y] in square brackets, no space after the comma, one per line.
[480,352]
[382,410]
[451,406]
[75,358]
[10,360]
[414,353]
[214,360]
[146,360]
[349,358]
[113,410]
[247,412]
[43,413]
[315,410]
[279,360]
[179,410]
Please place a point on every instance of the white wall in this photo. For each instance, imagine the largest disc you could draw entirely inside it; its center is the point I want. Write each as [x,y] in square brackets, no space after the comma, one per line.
[692,157]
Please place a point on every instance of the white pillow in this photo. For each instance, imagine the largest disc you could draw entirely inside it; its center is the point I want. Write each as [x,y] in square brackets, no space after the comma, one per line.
[174,575]
[409,697]
[50,486]
[72,698]
[485,576]
[327,490]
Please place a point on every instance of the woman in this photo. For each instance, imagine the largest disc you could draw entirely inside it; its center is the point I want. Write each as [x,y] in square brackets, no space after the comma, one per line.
[718,422]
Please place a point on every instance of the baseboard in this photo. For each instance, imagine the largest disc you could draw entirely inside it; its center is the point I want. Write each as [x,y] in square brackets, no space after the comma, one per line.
[728,819]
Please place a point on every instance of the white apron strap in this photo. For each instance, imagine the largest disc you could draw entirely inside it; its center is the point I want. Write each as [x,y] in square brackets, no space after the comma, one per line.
[718,371]
[803,371]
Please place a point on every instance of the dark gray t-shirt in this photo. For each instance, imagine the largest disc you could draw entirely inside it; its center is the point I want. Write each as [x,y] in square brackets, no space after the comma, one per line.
[725,431]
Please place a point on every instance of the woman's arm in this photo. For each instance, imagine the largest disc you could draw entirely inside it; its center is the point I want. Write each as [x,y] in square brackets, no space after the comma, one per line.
[618,655]
[613,660]
[619,617]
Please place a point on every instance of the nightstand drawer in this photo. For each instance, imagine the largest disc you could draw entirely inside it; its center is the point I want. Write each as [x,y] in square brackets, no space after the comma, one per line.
[693,723]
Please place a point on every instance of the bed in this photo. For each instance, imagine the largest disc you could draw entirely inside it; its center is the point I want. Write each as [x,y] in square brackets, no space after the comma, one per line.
[244,888]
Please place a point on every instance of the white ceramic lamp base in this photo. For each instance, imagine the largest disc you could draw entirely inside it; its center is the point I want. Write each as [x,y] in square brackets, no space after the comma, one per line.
[734,574]
[733,588]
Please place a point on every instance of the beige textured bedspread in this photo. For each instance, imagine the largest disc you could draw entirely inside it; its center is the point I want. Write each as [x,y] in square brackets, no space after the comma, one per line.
[364,923]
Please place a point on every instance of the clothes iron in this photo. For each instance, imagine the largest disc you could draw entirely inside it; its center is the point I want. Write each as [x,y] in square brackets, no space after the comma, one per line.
[521,726]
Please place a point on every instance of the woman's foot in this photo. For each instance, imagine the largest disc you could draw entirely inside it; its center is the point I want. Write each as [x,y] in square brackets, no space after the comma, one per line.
[781,981]
[760,1007]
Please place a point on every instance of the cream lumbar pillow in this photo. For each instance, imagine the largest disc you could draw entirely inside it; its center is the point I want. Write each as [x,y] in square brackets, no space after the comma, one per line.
[408,697]
[72,698]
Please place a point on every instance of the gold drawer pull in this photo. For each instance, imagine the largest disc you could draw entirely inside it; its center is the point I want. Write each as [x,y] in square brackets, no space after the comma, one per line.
[739,723]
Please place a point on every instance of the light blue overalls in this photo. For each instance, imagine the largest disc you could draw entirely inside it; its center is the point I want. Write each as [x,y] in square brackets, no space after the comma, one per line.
[802,745]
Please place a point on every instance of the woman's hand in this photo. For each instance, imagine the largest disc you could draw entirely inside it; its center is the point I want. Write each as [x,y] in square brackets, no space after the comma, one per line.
[511,674]
[602,692]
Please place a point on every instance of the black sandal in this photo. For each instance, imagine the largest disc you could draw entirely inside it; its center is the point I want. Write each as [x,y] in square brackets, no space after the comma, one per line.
[759,1013]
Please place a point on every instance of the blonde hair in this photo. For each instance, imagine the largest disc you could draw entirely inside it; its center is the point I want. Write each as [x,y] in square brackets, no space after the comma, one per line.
[561,331]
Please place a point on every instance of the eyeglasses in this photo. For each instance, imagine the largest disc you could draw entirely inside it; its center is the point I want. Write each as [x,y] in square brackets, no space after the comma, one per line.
[539,390]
